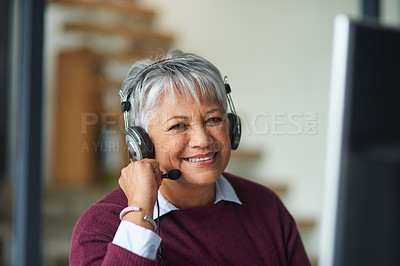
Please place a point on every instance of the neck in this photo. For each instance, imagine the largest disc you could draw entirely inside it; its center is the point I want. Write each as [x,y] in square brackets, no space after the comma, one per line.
[183,196]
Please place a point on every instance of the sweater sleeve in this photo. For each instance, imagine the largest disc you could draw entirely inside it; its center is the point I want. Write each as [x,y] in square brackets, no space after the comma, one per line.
[91,242]
[294,248]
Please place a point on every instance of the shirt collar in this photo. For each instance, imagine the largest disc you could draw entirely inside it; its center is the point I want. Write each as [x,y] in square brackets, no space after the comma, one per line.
[223,192]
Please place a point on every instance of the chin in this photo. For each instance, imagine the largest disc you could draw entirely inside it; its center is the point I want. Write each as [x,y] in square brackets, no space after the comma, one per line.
[200,177]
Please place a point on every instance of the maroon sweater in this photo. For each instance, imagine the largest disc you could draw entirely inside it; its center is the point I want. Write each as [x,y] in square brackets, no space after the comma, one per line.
[259,232]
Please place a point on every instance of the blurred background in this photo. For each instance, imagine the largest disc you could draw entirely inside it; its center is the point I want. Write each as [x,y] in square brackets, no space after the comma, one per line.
[277,56]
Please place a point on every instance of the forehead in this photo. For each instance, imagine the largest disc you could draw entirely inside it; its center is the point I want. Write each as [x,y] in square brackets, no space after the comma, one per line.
[179,104]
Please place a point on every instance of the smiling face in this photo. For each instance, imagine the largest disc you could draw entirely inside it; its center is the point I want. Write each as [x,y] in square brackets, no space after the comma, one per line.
[192,137]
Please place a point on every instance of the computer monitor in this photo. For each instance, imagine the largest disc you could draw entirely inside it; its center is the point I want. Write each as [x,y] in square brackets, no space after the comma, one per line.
[361,215]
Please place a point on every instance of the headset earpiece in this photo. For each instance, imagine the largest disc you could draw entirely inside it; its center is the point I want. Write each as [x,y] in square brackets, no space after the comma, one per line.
[139,144]
[235,127]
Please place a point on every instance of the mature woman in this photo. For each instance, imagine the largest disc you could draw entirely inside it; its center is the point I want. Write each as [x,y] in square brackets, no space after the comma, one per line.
[207,216]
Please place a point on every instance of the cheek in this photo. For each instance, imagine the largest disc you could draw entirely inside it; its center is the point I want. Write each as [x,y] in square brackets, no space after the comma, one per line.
[225,139]
[221,140]
[222,135]
[169,146]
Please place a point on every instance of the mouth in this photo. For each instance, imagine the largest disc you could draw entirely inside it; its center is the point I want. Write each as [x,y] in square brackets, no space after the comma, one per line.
[201,158]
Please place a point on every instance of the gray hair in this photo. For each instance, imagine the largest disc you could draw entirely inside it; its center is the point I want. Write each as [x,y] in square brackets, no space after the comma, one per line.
[148,81]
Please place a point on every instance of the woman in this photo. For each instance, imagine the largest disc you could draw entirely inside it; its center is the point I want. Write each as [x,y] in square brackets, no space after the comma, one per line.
[206,217]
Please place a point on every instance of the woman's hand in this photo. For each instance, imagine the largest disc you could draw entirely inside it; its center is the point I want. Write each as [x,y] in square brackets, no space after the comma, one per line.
[140,181]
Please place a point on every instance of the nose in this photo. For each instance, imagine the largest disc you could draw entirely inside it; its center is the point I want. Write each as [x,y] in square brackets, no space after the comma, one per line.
[200,137]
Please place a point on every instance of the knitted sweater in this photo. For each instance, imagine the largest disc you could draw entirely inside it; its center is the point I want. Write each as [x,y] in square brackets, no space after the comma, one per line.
[258,232]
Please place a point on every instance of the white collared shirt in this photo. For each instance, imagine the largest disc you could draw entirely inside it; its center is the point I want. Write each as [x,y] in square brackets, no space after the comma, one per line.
[128,233]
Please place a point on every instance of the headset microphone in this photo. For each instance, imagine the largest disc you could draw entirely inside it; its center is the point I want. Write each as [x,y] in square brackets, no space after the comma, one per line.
[173,174]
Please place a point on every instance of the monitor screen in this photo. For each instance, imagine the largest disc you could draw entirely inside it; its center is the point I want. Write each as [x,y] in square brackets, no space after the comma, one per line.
[361,216]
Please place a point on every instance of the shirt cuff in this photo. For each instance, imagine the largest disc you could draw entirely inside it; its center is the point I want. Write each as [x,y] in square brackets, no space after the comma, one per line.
[137,239]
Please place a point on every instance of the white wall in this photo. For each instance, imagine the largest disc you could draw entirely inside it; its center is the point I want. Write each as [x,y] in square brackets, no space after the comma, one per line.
[277,55]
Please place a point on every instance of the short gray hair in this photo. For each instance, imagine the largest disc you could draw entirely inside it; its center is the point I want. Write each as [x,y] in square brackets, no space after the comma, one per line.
[148,81]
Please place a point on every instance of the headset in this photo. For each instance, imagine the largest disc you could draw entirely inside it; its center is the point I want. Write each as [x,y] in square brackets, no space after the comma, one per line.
[139,143]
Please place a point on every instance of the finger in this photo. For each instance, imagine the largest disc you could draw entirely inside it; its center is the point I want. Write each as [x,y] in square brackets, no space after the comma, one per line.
[154,164]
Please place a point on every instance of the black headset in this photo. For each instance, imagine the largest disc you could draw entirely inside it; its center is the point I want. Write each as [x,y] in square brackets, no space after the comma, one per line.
[138,141]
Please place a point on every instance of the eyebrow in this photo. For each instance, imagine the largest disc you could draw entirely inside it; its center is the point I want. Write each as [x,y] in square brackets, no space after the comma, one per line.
[187,117]
[214,110]
[176,117]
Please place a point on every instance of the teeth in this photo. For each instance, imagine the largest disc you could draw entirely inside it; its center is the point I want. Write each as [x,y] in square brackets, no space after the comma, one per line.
[200,159]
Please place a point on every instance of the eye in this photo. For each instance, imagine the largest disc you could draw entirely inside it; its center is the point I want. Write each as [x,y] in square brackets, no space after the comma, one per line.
[214,121]
[179,126]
